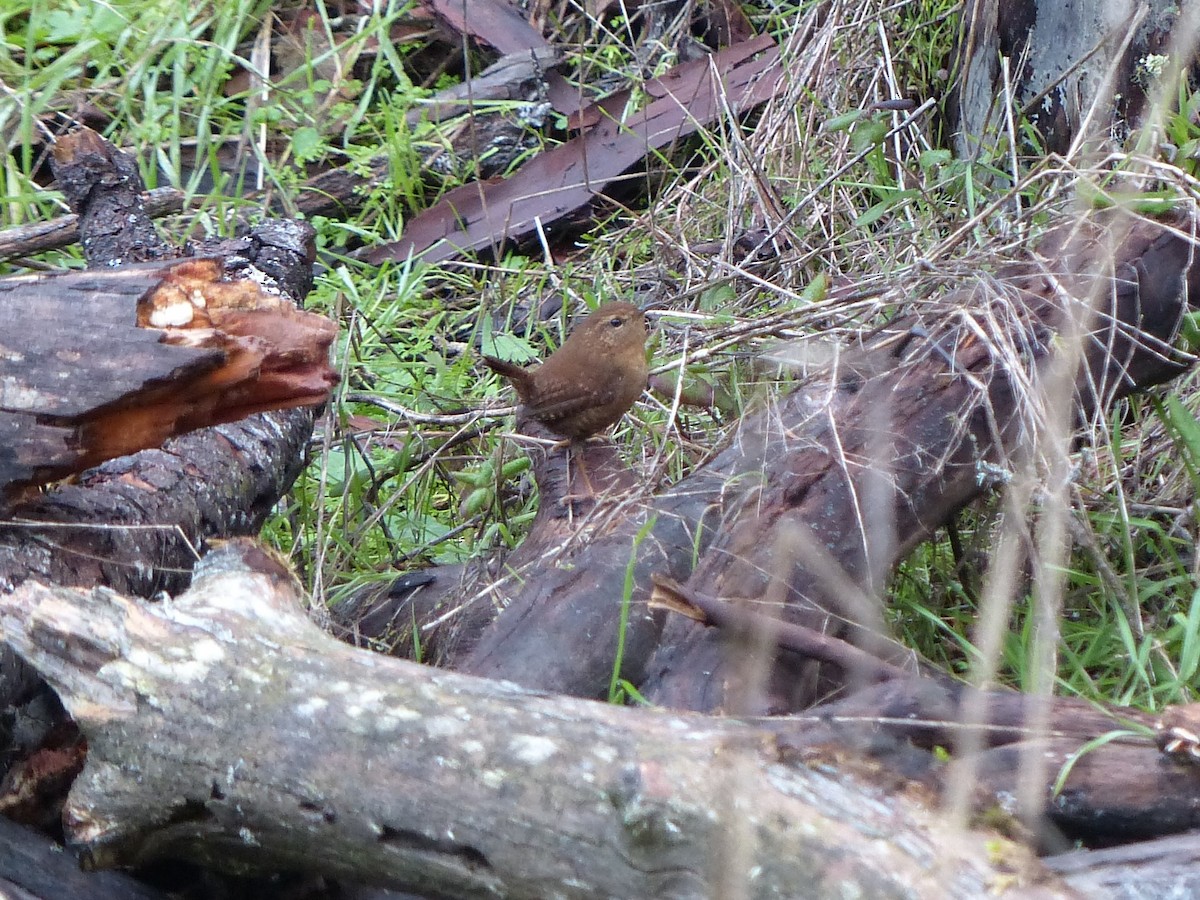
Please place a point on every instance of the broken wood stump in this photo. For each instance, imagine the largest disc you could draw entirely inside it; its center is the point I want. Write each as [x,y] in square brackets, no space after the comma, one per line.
[105,363]
[134,523]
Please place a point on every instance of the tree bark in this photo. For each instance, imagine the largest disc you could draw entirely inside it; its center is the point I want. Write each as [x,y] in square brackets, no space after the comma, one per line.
[136,523]
[225,728]
[1081,71]
[817,497]
[35,868]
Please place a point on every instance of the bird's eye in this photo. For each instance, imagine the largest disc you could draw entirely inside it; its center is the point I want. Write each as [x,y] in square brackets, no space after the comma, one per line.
[616,322]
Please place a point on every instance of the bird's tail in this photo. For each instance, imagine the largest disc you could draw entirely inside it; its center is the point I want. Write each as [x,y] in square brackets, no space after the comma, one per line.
[516,374]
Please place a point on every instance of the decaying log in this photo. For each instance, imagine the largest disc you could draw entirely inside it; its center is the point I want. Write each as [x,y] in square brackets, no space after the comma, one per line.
[1122,788]
[849,472]
[222,727]
[442,611]
[63,231]
[104,189]
[102,364]
[135,523]
[35,868]
[906,449]
[1081,72]
[1167,867]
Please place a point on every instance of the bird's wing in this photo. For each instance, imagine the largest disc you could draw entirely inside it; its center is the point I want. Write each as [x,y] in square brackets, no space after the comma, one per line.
[556,400]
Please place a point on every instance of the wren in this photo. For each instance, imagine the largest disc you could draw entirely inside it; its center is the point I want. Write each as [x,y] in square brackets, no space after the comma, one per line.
[592,380]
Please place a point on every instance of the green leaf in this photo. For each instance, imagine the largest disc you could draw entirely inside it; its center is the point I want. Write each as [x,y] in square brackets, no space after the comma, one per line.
[1189,332]
[510,347]
[933,159]
[1189,653]
[307,144]
[868,134]
[718,297]
[880,209]
[1184,424]
[815,290]
[843,122]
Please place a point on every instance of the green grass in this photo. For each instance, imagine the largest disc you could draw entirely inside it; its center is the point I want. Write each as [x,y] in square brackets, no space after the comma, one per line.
[848,191]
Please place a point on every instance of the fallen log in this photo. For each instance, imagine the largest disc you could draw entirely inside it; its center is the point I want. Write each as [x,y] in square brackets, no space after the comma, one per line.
[35,868]
[223,727]
[103,364]
[135,522]
[819,496]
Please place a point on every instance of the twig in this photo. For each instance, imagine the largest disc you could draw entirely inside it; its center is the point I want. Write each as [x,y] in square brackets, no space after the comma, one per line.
[671,595]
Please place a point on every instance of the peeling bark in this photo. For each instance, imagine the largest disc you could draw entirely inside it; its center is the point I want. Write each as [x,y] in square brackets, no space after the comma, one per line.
[1079,72]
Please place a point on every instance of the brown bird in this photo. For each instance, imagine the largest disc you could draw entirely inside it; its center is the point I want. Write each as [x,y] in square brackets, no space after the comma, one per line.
[592,379]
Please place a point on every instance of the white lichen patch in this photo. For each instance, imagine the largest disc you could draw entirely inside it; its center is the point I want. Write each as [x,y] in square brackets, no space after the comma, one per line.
[444,726]
[474,748]
[183,671]
[532,749]
[310,707]
[492,778]
[1151,66]
[249,674]
[604,753]
[206,650]
[231,771]
[394,719]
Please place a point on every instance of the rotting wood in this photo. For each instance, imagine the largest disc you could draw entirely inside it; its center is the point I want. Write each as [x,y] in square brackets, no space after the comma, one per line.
[222,726]
[62,231]
[97,365]
[1117,786]
[853,662]
[768,517]
[35,868]
[1092,65]
[135,522]
[104,189]
[1167,867]
[444,610]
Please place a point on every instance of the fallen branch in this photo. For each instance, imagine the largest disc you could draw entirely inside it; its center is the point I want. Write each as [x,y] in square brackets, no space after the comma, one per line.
[224,725]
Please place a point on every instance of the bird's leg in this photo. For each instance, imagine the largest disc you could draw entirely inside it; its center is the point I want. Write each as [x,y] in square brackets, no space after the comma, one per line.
[575,451]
